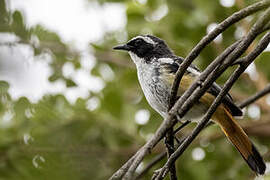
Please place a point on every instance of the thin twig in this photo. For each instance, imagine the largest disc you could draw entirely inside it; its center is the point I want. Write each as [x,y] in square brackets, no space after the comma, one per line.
[181,127]
[169,142]
[255,97]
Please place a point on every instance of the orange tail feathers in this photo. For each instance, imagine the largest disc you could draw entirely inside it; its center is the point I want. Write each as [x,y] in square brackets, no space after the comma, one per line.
[239,139]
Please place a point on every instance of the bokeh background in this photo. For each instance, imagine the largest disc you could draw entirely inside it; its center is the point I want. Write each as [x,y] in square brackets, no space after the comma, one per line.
[71,108]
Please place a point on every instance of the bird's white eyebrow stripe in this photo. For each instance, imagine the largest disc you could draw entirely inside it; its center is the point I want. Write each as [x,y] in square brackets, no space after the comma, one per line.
[146,39]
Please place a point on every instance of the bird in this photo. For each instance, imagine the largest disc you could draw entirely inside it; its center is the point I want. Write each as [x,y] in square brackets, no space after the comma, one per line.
[157,65]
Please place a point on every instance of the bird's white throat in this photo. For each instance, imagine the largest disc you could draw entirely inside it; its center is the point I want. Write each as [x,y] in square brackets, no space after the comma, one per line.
[137,60]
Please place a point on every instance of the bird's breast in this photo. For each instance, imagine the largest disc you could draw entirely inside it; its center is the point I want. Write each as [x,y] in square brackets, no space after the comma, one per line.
[156,84]
[155,88]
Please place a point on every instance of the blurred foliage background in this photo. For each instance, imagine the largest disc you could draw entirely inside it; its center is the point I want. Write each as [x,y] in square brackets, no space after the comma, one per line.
[70,133]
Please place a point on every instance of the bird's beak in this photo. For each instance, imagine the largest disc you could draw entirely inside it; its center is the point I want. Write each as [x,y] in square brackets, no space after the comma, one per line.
[124,47]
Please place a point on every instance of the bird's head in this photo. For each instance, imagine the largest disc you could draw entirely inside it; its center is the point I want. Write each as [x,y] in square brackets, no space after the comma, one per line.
[145,47]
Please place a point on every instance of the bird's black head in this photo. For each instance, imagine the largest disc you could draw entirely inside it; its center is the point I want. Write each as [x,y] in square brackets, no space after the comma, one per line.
[146,46]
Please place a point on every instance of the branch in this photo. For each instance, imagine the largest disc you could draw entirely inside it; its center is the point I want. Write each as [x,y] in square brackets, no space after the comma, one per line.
[255,97]
[169,142]
[170,146]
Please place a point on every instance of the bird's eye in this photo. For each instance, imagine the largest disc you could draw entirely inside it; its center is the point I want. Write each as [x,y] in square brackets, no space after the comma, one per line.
[138,42]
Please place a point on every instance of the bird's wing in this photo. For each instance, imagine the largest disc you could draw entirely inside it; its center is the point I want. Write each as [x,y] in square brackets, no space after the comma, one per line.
[227,100]
[214,89]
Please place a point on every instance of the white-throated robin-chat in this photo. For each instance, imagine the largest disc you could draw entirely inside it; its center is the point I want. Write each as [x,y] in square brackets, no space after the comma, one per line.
[156,68]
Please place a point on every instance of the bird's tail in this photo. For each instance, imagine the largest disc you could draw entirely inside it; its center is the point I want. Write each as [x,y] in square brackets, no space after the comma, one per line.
[239,139]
